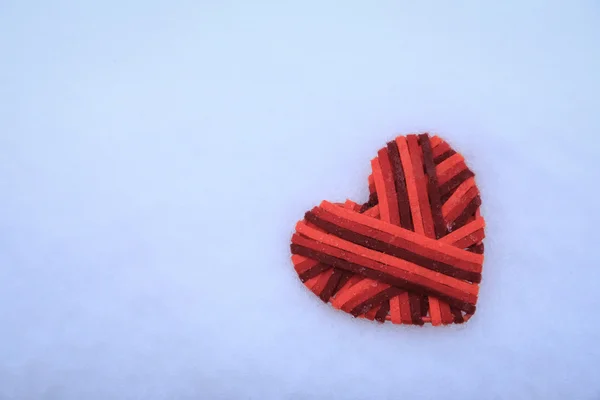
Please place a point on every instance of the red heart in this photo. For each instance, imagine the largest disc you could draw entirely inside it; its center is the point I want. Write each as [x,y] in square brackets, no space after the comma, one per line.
[413,253]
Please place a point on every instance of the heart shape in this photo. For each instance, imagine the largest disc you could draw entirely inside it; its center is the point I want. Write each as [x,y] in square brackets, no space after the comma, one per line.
[411,254]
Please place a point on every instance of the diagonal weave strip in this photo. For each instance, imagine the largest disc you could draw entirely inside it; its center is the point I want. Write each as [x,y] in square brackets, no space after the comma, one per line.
[411,254]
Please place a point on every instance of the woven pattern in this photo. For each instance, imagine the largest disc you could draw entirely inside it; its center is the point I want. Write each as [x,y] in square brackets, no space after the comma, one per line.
[413,253]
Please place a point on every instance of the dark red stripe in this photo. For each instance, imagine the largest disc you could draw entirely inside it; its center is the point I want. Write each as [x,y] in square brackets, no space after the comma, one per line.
[314,271]
[343,279]
[372,202]
[390,249]
[375,301]
[383,312]
[444,156]
[447,188]
[458,317]
[415,308]
[380,276]
[400,184]
[432,187]
[467,213]
[476,248]
[332,283]
[424,305]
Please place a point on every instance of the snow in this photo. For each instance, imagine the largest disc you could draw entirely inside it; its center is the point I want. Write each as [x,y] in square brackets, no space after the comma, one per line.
[155,157]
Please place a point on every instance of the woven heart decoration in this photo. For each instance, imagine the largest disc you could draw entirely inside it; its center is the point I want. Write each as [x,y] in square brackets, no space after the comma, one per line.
[413,253]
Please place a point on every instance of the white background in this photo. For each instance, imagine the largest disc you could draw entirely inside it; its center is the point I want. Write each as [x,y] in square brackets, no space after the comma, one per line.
[155,156]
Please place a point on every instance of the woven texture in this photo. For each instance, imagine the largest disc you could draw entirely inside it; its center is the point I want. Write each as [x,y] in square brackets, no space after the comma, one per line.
[413,253]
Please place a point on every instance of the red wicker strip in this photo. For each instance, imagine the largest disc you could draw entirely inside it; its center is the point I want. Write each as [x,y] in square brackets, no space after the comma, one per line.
[413,253]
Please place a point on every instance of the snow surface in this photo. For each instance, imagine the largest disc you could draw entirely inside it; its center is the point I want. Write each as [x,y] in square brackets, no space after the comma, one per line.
[155,156]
